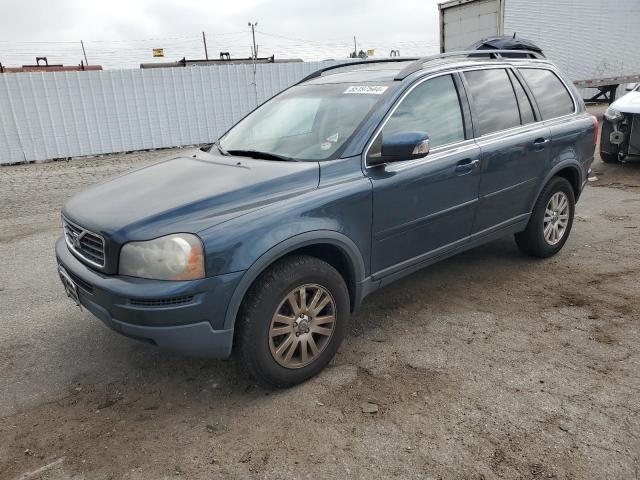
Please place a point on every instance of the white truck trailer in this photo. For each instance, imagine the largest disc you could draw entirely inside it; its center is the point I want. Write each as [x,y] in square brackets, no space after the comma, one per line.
[595,42]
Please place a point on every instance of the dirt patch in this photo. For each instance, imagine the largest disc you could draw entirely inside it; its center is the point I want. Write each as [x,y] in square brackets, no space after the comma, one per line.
[617,218]
[572,299]
[417,383]
[487,365]
[605,337]
[619,185]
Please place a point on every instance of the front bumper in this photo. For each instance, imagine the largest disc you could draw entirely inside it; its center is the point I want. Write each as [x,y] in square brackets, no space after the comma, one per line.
[628,130]
[184,317]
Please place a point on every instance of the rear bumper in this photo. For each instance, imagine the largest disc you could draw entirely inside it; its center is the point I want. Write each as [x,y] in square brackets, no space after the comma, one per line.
[183,317]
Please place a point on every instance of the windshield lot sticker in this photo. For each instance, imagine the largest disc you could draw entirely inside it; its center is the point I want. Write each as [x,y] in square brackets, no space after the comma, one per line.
[370,89]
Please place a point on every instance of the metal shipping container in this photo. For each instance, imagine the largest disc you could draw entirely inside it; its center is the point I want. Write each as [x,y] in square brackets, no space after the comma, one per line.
[590,40]
[465,22]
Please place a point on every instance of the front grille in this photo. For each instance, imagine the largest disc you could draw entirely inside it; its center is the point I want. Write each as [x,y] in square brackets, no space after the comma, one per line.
[86,244]
[163,302]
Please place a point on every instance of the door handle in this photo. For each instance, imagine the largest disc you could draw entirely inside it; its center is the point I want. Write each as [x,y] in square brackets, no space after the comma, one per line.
[540,143]
[466,166]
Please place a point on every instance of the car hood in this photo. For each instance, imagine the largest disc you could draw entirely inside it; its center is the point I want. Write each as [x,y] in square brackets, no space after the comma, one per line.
[187,194]
[630,103]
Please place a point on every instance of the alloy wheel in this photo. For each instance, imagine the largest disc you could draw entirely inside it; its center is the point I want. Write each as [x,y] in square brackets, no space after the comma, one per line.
[302,326]
[556,218]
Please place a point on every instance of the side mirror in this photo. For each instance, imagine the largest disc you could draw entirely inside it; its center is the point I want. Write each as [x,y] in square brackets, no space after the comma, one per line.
[401,146]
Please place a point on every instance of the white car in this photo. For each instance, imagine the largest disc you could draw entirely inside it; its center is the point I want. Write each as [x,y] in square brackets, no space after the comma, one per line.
[620,136]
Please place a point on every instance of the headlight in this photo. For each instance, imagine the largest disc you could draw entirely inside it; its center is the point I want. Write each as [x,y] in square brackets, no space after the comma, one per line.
[174,257]
[613,115]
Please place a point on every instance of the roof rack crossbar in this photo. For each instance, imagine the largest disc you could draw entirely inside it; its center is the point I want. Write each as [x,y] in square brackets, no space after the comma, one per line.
[494,54]
[319,73]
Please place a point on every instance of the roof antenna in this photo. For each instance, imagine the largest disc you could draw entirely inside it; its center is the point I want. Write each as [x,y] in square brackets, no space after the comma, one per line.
[514,34]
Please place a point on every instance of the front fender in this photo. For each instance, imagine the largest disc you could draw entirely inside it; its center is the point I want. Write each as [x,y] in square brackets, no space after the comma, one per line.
[337,213]
[344,243]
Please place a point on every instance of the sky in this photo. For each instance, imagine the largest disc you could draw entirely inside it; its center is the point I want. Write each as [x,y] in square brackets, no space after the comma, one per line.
[122,33]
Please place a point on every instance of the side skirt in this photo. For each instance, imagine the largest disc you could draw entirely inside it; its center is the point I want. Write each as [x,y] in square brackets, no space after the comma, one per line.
[396,272]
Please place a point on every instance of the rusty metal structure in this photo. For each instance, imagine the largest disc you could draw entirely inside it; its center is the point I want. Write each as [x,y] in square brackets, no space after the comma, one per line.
[225,59]
[42,65]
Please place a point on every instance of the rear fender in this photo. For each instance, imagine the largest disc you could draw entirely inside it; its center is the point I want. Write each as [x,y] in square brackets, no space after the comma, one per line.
[574,165]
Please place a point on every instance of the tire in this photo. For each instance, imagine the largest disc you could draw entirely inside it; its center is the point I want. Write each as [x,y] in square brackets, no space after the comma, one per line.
[609,157]
[260,348]
[532,241]
[608,151]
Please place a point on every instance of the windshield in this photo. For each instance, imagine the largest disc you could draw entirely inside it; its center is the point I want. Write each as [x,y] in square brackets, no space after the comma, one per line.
[306,122]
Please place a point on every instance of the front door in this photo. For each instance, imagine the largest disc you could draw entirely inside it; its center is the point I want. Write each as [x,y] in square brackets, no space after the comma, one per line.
[422,207]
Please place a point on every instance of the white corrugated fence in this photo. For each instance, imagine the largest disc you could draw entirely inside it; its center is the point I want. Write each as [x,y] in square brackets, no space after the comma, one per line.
[66,114]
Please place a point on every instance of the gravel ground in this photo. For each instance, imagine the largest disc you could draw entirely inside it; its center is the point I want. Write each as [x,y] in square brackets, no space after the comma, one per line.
[487,365]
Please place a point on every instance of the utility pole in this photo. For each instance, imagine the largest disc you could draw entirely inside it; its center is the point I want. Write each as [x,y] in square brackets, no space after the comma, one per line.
[253,34]
[204,40]
[84,52]
[355,47]
[255,57]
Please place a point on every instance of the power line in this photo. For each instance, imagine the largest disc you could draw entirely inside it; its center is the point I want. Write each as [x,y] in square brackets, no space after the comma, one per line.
[284,37]
[121,40]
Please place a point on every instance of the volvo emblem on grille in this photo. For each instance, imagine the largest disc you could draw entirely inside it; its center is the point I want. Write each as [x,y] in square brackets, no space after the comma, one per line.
[76,237]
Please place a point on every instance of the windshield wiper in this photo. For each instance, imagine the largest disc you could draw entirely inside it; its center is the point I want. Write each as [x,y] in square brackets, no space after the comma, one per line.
[260,155]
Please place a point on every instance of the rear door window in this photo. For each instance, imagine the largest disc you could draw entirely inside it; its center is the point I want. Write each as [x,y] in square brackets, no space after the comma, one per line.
[551,95]
[524,103]
[495,102]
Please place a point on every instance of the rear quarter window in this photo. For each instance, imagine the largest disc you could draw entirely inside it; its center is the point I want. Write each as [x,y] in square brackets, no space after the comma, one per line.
[552,96]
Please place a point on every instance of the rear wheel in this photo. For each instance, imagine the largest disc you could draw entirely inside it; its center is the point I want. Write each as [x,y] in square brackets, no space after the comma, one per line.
[292,321]
[550,222]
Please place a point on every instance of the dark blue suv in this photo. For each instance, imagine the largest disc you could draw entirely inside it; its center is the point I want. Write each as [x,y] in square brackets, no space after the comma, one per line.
[266,241]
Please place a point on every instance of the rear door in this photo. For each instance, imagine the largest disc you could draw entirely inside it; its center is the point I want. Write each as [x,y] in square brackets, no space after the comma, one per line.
[514,146]
[424,206]
[571,138]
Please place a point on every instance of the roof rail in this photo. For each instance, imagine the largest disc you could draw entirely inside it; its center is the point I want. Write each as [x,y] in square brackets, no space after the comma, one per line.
[319,73]
[494,54]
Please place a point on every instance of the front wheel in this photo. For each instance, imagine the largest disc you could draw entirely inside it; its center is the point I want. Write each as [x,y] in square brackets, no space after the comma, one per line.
[550,222]
[608,151]
[607,157]
[292,321]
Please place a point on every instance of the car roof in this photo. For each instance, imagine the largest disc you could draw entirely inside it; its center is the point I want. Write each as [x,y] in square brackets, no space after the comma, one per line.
[387,72]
